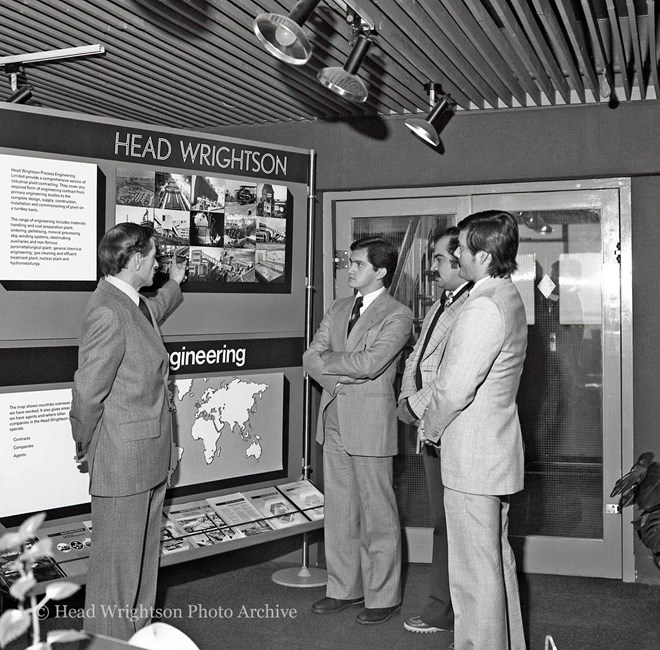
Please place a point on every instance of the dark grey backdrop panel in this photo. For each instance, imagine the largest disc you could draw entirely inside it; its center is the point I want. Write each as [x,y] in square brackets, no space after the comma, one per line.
[43,324]
[57,314]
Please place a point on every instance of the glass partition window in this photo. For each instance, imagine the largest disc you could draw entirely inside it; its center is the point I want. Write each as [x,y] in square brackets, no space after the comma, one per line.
[560,401]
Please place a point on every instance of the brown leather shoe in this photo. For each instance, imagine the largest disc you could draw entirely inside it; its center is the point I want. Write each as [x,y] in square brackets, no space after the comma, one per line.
[376,615]
[333,605]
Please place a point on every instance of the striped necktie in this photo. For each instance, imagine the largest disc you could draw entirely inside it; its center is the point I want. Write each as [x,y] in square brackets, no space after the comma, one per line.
[355,314]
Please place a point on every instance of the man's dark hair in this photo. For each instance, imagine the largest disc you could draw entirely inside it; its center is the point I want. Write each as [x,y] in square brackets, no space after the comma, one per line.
[381,253]
[495,232]
[120,243]
[451,231]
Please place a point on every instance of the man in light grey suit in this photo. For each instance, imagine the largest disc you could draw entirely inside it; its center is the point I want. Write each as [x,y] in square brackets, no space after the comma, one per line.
[420,375]
[473,416]
[120,421]
[353,357]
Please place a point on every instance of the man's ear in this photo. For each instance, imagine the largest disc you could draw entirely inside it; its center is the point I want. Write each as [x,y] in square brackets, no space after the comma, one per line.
[381,273]
[136,261]
[484,258]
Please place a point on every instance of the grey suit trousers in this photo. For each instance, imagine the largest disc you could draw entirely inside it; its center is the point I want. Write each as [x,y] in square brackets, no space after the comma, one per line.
[123,563]
[362,528]
[438,611]
[482,573]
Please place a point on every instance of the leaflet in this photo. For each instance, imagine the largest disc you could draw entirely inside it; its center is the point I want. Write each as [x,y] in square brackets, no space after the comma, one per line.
[194,517]
[235,508]
[70,542]
[44,568]
[306,496]
[254,528]
[277,509]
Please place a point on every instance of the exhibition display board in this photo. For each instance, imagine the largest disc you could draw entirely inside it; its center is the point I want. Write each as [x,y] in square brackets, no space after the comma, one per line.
[238,210]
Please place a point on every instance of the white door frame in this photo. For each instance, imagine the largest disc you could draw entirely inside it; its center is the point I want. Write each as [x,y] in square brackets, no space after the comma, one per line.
[425,201]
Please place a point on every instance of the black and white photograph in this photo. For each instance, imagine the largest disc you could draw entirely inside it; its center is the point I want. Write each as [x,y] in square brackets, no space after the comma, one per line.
[216,265]
[206,229]
[135,187]
[270,231]
[172,227]
[172,191]
[240,231]
[240,198]
[208,194]
[272,200]
[269,265]
[133,214]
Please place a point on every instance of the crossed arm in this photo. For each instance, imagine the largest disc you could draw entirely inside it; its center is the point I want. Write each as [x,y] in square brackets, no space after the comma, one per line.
[332,368]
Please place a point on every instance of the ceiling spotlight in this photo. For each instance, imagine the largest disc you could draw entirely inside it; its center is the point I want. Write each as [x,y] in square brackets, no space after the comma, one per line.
[344,81]
[429,128]
[20,96]
[536,221]
[282,36]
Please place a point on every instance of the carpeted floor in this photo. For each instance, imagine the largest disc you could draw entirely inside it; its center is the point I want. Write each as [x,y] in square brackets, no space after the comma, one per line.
[230,602]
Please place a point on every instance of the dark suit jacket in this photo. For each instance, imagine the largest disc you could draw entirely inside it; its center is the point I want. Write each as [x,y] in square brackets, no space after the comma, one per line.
[366,409]
[120,408]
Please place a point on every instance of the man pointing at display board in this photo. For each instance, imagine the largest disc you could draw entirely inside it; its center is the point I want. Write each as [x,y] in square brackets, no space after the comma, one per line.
[121,423]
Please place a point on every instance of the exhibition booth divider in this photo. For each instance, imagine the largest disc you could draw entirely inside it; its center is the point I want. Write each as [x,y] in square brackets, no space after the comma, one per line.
[241,212]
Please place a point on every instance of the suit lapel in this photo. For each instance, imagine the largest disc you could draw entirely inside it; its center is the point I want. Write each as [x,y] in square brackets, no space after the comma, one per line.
[437,335]
[371,315]
[111,293]
[444,323]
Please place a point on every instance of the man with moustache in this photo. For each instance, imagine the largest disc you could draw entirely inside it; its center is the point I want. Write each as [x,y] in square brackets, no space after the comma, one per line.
[120,421]
[422,370]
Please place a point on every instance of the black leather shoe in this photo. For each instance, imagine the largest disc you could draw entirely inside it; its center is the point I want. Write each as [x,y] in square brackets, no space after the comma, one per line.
[333,605]
[377,615]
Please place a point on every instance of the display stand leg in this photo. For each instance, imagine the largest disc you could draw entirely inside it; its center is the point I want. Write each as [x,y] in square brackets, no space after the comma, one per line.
[303,576]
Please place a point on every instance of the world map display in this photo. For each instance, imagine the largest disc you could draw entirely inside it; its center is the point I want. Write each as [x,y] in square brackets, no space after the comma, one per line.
[227,427]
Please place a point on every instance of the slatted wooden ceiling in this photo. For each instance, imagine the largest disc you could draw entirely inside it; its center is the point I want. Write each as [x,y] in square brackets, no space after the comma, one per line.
[197,64]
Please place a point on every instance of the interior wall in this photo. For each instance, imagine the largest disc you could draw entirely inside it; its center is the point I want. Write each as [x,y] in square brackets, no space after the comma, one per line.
[479,147]
[552,143]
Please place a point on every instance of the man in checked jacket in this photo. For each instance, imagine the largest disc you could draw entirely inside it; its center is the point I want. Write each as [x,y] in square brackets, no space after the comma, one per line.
[421,372]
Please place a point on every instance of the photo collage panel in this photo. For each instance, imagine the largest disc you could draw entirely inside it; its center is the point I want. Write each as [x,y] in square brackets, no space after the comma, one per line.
[230,231]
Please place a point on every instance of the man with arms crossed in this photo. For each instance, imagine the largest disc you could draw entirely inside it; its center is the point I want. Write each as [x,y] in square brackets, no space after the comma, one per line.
[473,416]
[353,357]
[120,421]
[421,373]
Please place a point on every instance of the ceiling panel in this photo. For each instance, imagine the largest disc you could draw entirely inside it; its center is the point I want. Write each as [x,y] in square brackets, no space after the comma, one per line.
[198,64]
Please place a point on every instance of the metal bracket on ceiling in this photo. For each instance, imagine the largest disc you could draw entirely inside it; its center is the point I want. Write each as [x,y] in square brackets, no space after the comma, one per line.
[13,70]
[356,16]
[14,66]
[52,55]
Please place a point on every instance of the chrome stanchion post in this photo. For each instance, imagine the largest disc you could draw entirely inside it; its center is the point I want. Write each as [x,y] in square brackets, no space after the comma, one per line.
[306,576]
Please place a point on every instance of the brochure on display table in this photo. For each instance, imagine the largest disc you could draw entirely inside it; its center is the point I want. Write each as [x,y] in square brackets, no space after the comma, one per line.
[44,568]
[278,511]
[306,496]
[185,527]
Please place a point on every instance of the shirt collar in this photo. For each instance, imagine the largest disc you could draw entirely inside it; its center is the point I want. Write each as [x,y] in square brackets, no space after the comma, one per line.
[370,297]
[124,287]
[457,290]
[478,282]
